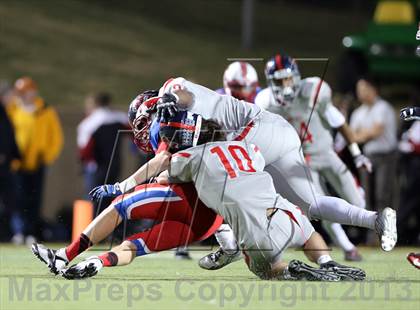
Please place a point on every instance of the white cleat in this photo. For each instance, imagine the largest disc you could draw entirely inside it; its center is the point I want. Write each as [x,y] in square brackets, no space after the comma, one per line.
[218,259]
[85,269]
[55,260]
[386,228]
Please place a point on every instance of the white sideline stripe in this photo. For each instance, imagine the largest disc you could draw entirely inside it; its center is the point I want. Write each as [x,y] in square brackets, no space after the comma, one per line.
[149,200]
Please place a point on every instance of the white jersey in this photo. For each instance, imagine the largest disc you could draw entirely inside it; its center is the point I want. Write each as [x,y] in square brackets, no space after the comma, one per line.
[312,91]
[229,179]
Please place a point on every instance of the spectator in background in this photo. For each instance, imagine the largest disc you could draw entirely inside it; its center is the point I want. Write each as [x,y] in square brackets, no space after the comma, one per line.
[8,152]
[40,139]
[374,126]
[96,135]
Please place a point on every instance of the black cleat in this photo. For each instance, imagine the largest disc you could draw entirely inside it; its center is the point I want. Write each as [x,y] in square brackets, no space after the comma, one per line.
[346,273]
[301,271]
[54,261]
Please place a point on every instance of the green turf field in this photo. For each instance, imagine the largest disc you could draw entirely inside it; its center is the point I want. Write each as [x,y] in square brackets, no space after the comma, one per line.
[161,282]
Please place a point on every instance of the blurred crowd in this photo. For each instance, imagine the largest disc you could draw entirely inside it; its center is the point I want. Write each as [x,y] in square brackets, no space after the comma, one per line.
[31,139]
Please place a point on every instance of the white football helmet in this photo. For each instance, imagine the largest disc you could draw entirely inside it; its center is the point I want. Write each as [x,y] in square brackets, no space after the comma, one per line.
[240,80]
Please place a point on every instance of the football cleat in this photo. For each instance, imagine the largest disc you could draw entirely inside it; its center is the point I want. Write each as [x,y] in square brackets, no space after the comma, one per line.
[414,259]
[301,271]
[85,269]
[56,260]
[346,273]
[218,259]
[386,228]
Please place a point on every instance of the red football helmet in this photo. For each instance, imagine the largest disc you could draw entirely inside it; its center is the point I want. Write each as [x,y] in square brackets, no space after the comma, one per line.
[140,118]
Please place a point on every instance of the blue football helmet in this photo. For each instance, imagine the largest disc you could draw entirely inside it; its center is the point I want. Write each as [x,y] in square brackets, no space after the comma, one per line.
[283,77]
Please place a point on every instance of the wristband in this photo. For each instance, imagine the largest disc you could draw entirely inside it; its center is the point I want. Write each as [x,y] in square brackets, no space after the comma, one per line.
[354,149]
[127,184]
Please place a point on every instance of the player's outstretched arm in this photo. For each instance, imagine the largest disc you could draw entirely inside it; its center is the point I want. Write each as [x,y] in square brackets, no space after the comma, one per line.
[151,169]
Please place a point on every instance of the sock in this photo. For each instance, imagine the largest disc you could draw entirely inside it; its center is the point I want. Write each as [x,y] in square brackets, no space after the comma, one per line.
[323,259]
[338,210]
[77,246]
[109,259]
[226,239]
[338,235]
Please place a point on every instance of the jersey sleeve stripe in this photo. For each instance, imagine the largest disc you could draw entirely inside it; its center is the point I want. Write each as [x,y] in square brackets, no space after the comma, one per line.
[182,154]
[245,132]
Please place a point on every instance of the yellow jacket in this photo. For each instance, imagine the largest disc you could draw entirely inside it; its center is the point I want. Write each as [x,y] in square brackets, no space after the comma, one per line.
[38,134]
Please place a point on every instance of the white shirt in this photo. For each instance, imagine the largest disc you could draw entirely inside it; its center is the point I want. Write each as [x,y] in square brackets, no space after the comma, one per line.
[381,112]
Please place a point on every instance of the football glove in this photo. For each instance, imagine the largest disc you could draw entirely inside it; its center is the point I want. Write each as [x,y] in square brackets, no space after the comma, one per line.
[105,191]
[167,107]
[409,114]
[361,161]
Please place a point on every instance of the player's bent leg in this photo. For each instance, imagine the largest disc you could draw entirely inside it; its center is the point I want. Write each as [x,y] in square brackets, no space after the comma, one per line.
[293,180]
[334,230]
[338,210]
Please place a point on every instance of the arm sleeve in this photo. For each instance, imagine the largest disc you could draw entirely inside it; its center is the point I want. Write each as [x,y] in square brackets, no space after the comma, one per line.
[333,116]
[326,109]
[225,110]
[205,101]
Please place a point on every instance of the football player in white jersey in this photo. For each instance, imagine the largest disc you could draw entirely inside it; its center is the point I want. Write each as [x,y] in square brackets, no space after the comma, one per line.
[307,105]
[240,80]
[280,146]
[229,178]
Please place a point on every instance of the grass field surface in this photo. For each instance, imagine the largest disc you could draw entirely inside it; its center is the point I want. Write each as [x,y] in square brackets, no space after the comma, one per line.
[159,281]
